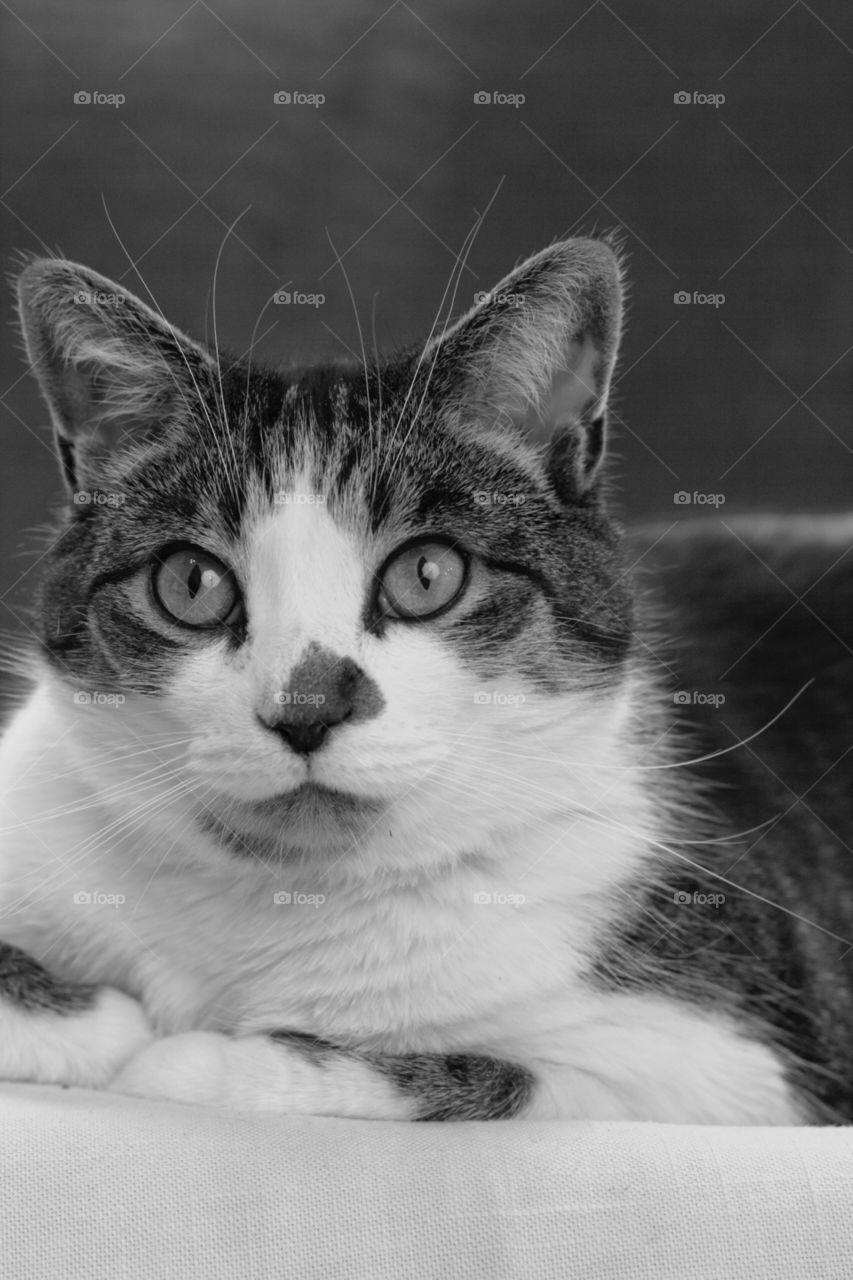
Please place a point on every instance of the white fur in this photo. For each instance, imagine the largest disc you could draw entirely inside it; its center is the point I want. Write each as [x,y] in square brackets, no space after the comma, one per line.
[533,804]
[255,1074]
[630,1057]
[625,1058]
[75,1048]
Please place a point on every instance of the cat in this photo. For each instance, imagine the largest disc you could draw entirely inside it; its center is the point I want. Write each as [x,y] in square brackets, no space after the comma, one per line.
[372,770]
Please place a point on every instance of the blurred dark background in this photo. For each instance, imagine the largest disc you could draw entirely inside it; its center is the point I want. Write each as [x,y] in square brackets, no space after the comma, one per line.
[748,198]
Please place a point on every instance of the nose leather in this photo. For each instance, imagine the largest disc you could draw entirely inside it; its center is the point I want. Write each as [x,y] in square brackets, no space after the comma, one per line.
[324,690]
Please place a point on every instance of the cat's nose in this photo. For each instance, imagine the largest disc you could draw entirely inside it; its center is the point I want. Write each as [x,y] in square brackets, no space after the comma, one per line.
[324,690]
[303,738]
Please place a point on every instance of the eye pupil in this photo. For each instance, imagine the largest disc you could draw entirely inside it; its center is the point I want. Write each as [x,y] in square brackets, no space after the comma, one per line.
[423,579]
[195,588]
[428,571]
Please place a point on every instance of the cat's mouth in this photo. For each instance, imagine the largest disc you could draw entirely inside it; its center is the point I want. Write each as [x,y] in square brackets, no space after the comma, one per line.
[317,802]
[310,816]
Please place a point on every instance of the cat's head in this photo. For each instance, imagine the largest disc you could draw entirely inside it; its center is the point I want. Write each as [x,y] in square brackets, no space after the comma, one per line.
[362,612]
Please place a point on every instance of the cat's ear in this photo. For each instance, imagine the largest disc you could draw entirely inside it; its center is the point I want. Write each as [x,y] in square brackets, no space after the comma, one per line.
[112,371]
[536,356]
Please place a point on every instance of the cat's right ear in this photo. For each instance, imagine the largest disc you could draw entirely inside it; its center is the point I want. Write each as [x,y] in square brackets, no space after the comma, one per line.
[113,372]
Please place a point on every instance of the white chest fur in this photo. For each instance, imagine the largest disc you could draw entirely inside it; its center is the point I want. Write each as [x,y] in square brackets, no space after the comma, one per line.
[102,886]
[488,955]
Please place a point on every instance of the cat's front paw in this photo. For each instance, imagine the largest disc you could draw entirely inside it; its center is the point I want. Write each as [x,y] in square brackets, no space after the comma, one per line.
[72,1047]
[189,1067]
[259,1073]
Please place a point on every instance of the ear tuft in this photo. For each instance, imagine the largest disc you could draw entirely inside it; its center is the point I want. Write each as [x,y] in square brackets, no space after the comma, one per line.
[536,356]
[112,371]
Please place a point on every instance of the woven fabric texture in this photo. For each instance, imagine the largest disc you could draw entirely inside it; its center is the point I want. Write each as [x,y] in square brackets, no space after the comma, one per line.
[96,1185]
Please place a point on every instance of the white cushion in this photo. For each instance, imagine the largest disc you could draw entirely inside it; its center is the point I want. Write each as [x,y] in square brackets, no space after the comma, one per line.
[96,1185]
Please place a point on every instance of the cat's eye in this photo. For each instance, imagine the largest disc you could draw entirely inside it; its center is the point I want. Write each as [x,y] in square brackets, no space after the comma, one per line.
[422,579]
[195,588]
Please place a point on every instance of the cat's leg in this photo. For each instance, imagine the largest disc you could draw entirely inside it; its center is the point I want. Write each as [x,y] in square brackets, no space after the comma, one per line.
[300,1075]
[623,1057]
[56,1032]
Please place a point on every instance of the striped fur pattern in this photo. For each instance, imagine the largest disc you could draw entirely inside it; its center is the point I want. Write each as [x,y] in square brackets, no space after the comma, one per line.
[323,854]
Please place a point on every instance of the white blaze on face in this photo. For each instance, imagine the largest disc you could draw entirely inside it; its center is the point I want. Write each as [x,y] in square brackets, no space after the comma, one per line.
[458,755]
[306,585]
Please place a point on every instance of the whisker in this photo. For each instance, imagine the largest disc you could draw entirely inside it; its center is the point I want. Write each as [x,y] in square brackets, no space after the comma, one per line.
[741,742]
[202,401]
[345,274]
[125,820]
[511,785]
[79,852]
[450,288]
[696,760]
[245,422]
[458,269]
[236,472]
[119,789]
[375,447]
[741,888]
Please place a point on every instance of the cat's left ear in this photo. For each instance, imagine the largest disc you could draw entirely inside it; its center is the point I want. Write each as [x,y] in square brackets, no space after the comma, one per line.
[536,355]
[113,372]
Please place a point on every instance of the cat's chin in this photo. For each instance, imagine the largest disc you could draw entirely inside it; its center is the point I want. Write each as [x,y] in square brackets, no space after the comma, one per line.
[309,818]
